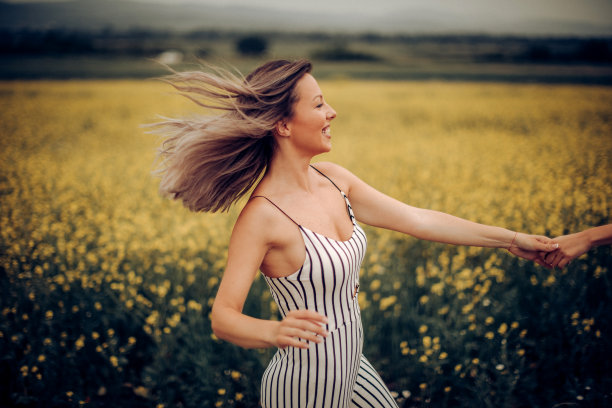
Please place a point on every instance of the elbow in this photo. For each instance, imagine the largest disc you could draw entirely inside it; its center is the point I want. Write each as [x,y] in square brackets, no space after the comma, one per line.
[215,323]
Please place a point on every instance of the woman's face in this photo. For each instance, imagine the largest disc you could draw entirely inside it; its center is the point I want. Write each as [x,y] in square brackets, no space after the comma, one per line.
[308,128]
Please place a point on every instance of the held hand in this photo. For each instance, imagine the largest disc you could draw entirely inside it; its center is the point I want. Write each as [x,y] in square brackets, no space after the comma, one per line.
[299,327]
[570,247]
[532,247]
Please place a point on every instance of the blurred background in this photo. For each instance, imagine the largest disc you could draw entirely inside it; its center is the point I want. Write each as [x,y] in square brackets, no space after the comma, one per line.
[543,40]
[495,111]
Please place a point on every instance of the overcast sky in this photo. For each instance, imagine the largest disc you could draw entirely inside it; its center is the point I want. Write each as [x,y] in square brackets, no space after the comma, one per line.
[596,11]
[562,16]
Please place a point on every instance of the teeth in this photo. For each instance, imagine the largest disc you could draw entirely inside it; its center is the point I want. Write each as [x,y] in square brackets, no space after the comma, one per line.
[327,131]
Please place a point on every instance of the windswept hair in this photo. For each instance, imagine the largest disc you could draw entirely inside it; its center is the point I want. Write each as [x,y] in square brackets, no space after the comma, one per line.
[211,161]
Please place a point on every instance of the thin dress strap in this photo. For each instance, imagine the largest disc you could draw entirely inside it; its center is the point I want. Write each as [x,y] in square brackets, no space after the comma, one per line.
[330,180]
[349,209]
[279,209]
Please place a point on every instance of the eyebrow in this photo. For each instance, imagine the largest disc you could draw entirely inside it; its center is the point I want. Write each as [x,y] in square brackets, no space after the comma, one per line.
[318,96]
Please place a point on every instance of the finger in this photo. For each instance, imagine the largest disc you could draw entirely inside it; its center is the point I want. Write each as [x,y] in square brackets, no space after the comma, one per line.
[287,341]
[556,258]
[308,314]
[564,262]
[541,263]
[545,247]
[305,325]
[300,335]
[304,335]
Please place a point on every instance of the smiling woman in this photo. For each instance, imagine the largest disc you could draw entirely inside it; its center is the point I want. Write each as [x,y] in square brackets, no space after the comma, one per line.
[299,228]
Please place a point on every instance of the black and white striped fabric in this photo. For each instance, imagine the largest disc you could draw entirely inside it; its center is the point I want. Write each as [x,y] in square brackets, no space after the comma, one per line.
[333,373]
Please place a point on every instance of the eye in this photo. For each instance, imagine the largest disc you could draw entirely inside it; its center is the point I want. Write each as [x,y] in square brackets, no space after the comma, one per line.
[319,105]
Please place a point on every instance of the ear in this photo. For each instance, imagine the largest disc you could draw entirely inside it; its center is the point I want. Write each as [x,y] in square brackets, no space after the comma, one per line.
[282,128]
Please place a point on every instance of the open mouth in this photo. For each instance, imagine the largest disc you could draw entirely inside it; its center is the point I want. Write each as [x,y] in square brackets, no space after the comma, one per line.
[326,131]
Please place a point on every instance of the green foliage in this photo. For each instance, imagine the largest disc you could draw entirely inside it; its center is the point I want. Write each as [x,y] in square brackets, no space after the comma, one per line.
[341,52]
[253,45]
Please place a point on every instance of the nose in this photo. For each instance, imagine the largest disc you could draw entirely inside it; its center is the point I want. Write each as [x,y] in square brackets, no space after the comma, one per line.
[331,113]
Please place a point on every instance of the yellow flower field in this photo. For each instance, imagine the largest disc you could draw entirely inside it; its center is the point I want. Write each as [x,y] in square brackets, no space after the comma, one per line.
[105,287]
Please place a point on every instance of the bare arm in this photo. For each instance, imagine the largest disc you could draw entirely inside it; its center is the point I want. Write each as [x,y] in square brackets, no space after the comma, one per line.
[248,245]
[377,209]
[571,246]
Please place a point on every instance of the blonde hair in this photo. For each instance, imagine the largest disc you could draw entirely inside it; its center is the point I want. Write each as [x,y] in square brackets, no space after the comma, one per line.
[211,161]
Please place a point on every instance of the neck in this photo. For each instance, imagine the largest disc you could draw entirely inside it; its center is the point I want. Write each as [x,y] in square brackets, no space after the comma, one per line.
[289,172]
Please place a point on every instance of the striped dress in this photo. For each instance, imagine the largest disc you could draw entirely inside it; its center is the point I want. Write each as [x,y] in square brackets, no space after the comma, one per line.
[333,373]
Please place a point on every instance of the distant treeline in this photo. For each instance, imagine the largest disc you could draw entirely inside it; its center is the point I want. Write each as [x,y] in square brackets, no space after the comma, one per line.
[481,48]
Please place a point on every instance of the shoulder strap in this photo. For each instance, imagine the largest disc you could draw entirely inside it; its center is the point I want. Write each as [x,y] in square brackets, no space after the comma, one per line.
[330,180]
[279,209]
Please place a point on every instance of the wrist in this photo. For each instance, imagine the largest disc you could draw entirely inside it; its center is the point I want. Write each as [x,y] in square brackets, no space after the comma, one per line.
[270,331]
[587,236]
[513,241]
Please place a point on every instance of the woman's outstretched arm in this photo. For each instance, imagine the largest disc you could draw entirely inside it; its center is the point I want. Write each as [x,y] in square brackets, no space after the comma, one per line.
[248,245]
[377,209]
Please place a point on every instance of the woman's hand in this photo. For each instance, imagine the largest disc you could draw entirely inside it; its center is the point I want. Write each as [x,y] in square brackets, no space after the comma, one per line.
[532,247]
[298,328]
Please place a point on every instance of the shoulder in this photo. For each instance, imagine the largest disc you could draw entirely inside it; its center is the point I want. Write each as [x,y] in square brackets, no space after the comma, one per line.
[338,174]
[258,220]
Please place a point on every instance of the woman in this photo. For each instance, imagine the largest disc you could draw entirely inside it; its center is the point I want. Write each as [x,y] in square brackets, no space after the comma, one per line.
[298,227]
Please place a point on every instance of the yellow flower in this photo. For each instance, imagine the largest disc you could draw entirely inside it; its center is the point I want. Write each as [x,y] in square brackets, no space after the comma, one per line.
[387,301]
[114,361]
[427,342]
[503,328]
[375,284]
[221,391]
[423,328]
[443,355]
[490,335]
[42,358]
[489,320]
[193,305]
[80,342]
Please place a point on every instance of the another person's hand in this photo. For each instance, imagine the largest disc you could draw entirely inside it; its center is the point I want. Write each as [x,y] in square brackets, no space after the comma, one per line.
[570,247]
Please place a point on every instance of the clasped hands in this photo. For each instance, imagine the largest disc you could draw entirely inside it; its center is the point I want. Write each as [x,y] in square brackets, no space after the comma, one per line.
[548,252]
